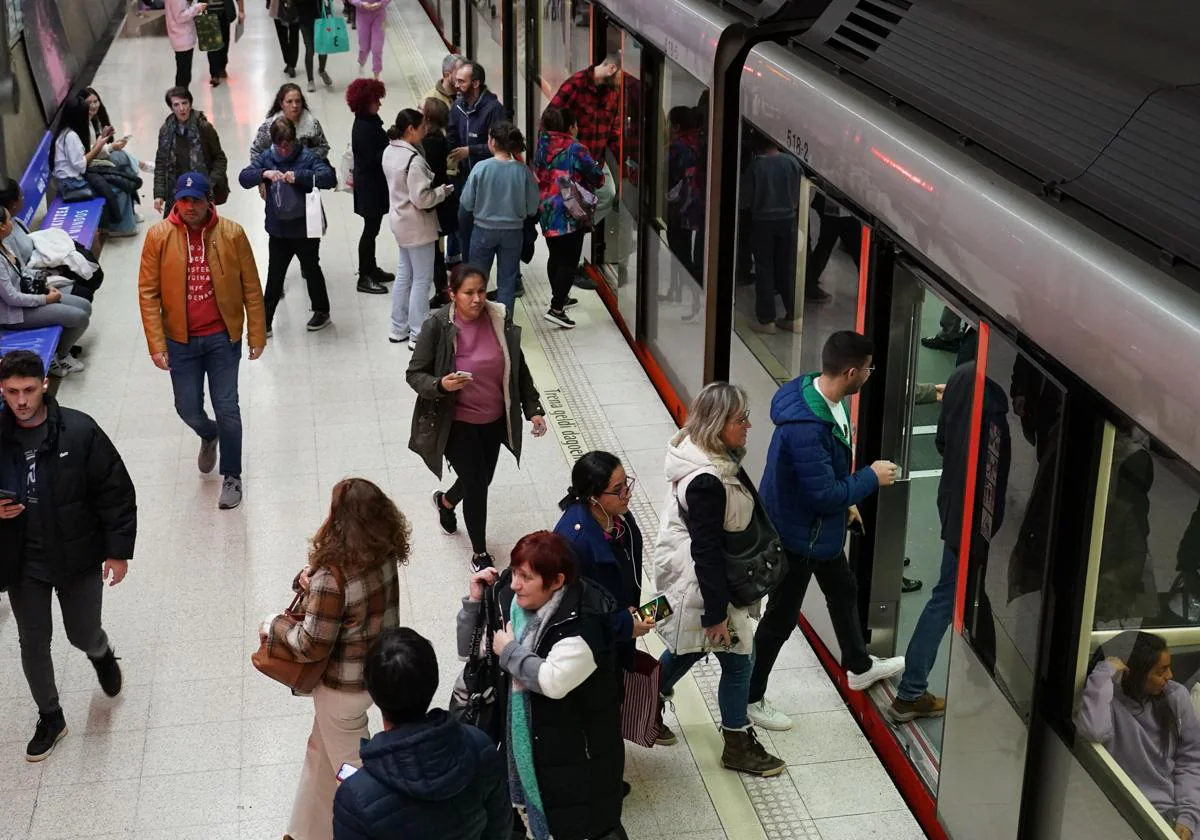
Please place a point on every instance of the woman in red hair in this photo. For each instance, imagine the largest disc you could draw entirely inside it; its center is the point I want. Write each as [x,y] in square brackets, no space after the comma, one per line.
[560,695]
[368,139]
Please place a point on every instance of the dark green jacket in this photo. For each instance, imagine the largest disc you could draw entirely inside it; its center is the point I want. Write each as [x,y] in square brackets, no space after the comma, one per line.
[433,359]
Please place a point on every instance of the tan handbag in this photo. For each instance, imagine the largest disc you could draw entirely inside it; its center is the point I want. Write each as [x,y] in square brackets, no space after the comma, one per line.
[301,677]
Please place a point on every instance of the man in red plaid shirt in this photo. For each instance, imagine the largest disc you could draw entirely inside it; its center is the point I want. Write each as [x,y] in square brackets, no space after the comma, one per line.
[593,97]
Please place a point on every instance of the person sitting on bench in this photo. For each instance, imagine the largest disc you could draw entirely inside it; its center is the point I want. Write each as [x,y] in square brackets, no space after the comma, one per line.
[29,310]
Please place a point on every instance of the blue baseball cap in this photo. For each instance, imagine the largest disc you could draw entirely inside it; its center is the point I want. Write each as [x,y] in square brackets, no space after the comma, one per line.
[193,185]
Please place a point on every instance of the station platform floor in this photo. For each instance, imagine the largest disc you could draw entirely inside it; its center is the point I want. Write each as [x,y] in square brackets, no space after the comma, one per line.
[199,745]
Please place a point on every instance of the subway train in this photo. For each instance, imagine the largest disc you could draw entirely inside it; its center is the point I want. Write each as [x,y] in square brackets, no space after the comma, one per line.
[1000,186]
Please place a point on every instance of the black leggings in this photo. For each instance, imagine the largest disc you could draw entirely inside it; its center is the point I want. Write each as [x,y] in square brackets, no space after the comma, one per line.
[473,450]
[306,31]
[289,42]
[183,68]
[367,263]
[565,251]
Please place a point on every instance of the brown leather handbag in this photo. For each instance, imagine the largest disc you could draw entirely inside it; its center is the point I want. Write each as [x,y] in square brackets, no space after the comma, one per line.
[300,677]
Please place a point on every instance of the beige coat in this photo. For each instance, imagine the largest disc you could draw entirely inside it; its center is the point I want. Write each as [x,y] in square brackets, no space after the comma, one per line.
[411,195]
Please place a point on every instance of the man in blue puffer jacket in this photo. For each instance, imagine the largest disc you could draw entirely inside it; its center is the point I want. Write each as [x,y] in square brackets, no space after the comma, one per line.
[811,495]
[426,776]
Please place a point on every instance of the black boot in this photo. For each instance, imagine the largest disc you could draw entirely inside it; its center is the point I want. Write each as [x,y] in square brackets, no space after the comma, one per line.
[370,286]
[381,276]
[108,672]
[666,738]
[50,730]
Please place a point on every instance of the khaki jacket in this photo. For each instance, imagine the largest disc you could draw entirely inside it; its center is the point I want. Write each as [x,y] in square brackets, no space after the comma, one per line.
[162,284]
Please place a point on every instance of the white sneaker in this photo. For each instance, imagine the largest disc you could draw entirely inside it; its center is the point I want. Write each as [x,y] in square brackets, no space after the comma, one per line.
[880,669]
[765,716]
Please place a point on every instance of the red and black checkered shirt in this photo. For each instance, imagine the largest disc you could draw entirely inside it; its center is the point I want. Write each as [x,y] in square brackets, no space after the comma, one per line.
[597,108]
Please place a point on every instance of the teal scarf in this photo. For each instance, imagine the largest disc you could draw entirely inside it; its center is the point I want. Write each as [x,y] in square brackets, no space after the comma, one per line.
[522,777]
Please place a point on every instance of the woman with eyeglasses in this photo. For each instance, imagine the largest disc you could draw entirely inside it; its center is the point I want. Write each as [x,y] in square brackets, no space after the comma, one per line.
[710,503]
[596,520]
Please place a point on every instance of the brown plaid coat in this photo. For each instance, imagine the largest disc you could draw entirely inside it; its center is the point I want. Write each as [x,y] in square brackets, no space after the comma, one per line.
[339,626]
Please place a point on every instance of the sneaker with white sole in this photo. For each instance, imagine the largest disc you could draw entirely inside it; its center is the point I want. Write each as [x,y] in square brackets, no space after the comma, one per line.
[65,366]
[765,716]
[318,321]
[231,493]
[880,669]
[561,319]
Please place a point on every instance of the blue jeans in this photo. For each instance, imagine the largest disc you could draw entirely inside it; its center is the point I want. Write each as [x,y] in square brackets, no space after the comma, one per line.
[410,292]
[218,358]
[503,247]
[931,627]
[733,692]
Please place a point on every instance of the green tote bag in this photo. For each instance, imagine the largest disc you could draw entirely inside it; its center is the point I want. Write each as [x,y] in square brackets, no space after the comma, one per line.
[329,33]
[208,32]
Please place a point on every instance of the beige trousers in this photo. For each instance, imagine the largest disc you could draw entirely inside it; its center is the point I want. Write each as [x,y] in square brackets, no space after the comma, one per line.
[339,724]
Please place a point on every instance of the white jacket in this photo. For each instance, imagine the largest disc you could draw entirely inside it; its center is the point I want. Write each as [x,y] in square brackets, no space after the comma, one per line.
[674,569]
[411,195]
[54,247]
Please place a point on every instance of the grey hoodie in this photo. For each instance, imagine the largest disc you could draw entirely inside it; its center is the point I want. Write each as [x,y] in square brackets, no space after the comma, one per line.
[1133,737]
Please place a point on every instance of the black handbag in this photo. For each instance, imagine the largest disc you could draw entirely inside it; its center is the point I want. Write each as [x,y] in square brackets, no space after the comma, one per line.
[476,699]
[755,562]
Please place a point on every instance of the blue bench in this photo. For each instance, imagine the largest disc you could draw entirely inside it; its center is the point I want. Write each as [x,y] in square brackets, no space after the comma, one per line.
[42,341]
[80,219]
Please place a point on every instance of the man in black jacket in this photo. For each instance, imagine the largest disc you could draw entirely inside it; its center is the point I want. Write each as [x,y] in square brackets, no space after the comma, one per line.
[68,519]
[426,775]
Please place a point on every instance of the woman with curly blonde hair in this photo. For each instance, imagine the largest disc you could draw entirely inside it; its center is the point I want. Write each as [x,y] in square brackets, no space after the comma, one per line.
[353,595]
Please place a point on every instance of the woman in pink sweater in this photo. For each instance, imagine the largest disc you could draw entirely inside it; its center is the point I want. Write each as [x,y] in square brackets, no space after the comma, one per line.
[181,31]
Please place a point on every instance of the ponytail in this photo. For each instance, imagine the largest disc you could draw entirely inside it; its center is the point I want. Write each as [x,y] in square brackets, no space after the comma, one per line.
[406,119]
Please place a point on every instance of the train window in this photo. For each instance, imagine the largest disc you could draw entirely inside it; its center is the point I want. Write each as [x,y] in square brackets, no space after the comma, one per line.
[797,270]
[488,40]
[565,46]
[674,274]
[1140,664]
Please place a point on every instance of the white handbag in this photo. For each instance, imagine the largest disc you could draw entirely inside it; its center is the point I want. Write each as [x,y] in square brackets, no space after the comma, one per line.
[314,214]
[347,184]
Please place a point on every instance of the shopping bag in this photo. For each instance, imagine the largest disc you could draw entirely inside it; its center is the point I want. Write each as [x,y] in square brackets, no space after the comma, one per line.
[329,33]
[639,708]
[287,201]
[347,184]
[208,32]
[314,215]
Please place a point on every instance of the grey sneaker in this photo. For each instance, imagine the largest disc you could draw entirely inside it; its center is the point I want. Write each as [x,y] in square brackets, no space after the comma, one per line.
[231,493]
[207,460]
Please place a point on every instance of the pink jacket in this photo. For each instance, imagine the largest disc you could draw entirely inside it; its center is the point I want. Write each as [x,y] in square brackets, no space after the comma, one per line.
[181,26]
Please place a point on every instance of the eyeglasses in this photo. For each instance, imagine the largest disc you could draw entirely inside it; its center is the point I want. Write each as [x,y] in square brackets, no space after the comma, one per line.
[624,490]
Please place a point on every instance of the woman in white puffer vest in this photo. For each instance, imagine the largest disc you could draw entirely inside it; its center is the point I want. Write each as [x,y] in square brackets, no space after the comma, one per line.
[709,496]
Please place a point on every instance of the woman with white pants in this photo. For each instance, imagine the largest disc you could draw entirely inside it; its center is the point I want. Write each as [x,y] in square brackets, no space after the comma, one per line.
[412,199]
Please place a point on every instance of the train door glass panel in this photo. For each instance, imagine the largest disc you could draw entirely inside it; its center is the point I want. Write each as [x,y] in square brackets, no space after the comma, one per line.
[566,43]
[1013,503]
[915,565]
[521,109]
[674,293]
[1143,581]
[618,257]
[488,40]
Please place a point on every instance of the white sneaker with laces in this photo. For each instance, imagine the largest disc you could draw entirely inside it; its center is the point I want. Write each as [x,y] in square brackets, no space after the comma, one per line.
[765,716]
[880,669]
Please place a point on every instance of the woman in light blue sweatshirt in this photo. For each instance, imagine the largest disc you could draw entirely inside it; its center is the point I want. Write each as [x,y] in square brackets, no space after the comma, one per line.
[501,193]
[1146,721]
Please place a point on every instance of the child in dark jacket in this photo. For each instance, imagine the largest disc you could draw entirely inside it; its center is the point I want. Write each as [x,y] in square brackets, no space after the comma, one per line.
[426,776]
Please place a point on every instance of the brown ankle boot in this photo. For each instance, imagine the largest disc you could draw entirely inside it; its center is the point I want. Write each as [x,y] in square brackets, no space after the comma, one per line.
[745,754]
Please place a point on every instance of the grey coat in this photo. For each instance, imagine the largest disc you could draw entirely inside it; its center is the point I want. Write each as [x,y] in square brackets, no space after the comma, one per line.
[433,358]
